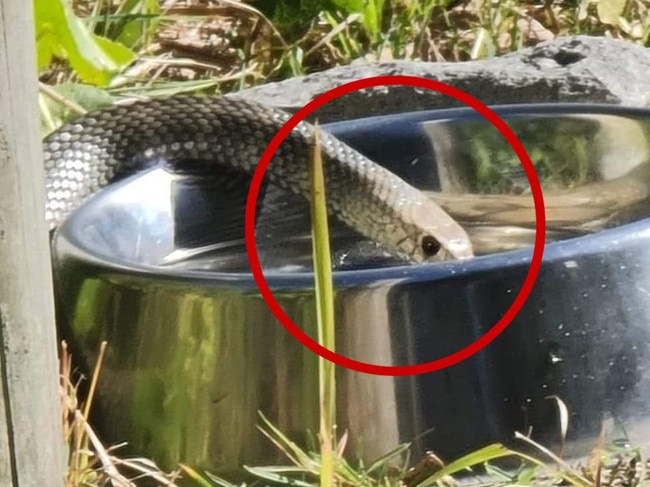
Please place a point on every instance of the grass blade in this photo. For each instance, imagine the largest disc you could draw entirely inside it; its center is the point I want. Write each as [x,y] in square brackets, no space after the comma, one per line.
[199,479]
[478,457]
[324,312]
[291,450]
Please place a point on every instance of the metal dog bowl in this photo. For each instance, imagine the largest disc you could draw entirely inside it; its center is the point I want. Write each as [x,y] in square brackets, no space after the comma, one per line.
[156,266]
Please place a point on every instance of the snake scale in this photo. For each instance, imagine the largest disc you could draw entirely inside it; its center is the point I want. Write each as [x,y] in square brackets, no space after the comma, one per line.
[216,133]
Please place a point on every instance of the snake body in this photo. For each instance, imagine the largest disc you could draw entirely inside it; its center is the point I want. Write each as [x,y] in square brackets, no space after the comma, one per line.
[215,133]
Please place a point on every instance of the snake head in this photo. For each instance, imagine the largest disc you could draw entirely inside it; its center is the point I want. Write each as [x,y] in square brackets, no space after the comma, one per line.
[437,235]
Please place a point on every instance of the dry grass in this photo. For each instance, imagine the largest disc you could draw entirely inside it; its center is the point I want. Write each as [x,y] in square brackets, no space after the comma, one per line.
[90,463]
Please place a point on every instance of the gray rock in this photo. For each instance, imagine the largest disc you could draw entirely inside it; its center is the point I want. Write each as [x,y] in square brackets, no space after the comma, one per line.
[572,69]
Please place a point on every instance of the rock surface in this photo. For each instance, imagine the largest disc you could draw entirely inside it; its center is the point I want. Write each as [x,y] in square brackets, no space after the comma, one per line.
[572,69]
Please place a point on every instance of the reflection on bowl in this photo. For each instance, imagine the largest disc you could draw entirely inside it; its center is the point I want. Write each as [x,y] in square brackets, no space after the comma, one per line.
[156,265]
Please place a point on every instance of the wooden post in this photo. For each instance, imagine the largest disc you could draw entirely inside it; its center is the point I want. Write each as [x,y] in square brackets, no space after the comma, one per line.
[31,442]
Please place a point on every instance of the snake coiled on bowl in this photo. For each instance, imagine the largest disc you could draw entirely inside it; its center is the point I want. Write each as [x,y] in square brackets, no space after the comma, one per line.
[216,133]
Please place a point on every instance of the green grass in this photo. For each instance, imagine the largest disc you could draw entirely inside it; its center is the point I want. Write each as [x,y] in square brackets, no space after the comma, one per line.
[605,467]
[127,48]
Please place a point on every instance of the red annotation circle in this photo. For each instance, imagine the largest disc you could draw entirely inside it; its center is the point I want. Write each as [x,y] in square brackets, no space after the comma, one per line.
[519,300]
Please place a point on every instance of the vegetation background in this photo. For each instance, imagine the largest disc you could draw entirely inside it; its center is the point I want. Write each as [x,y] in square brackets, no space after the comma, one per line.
[95,52]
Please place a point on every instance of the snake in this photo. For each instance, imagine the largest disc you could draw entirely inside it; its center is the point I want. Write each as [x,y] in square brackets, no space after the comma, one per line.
[208,133]
[212,133]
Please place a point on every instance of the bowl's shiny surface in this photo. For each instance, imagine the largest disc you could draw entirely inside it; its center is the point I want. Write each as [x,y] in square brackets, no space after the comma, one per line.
[194,353]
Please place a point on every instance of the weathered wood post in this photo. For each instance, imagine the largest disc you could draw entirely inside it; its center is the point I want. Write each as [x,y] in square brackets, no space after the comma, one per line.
[31,443]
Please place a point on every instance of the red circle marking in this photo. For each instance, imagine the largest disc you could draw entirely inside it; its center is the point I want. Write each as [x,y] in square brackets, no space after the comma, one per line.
[519,300]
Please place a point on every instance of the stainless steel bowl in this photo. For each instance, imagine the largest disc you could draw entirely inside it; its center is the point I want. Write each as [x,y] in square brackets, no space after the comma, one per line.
[155,265]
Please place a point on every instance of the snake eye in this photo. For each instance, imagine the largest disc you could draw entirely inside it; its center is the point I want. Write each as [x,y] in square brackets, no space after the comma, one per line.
[430,246]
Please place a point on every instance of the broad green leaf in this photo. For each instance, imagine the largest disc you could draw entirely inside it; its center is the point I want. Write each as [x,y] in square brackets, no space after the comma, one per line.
[372,17]
[60,33]
[49,18]
[119,55]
